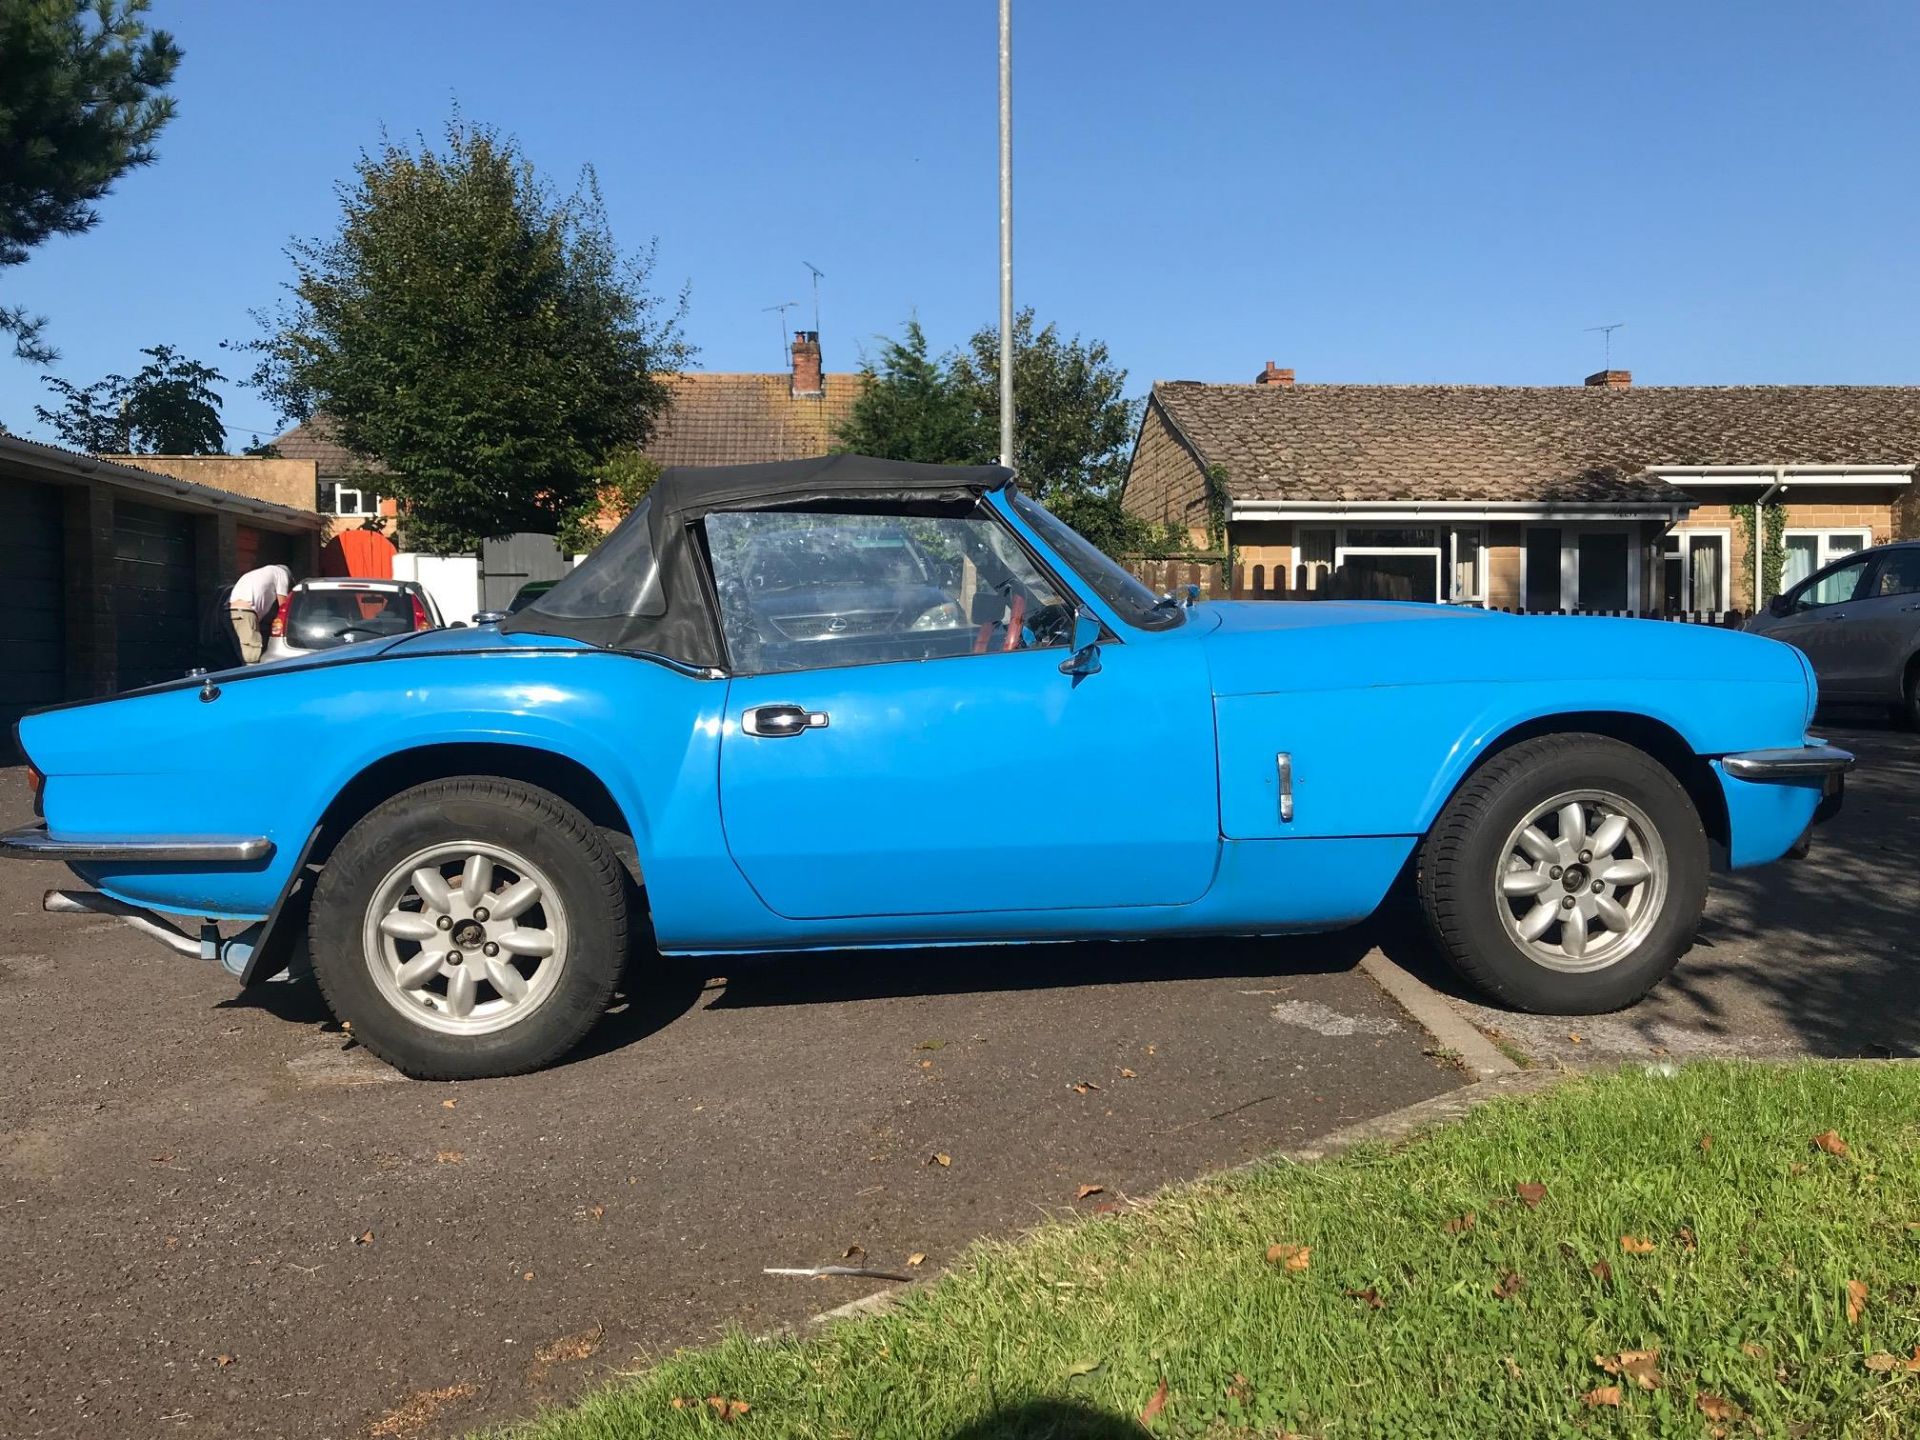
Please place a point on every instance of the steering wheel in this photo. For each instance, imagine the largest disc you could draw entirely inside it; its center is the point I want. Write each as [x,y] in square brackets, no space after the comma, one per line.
[1051,623]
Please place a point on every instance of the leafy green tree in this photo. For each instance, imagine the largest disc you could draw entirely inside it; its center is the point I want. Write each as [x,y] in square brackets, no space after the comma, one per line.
[620,484]
[482,340]
[910,408]
[1074,428]
[169,407]
[80,105]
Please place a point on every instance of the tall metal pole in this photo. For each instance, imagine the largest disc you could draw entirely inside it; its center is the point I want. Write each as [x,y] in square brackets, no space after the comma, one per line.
[1006,232]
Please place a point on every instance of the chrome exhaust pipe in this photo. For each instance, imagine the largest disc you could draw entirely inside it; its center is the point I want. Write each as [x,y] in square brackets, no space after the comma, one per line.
[147,922]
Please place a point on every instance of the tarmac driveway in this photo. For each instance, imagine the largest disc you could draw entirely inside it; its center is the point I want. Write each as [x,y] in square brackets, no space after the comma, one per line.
[220,1217]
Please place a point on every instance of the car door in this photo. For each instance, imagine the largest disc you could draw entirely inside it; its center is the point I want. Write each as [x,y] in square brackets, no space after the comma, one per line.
[1876,635]
[909,744]
[1815,612]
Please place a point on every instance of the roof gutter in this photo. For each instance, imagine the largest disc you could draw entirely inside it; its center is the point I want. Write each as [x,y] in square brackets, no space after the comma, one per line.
[1675,509]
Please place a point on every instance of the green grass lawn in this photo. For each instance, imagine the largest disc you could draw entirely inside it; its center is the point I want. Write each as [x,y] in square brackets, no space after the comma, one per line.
[1430,1297]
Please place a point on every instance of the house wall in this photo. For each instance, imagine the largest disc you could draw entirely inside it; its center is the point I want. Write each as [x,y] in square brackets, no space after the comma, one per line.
[1881,519]
[1165,483]
[1503,567]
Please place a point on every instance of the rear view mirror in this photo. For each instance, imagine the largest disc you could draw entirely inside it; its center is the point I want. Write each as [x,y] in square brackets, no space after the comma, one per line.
[1085,659]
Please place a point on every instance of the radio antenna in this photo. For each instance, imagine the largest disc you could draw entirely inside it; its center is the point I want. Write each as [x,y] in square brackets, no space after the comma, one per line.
[818,276]
[780,326]
[1606,341]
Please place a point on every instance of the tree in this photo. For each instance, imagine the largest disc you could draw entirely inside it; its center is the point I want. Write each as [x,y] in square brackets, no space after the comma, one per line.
[482,341]
[169,407]
[909,408]
[80,105]
[620,484]
[1075,423]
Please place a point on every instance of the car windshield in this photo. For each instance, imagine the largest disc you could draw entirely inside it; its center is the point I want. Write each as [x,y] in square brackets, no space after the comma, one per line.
[1136,604]
[321,619]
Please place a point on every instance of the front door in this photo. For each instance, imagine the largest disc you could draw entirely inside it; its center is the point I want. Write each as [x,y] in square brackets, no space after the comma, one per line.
[903,741]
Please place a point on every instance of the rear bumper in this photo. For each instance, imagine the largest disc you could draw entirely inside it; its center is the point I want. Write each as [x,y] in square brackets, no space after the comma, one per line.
[35,842]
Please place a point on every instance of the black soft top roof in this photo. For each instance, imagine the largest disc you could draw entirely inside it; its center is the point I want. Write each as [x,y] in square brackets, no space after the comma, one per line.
[642,589]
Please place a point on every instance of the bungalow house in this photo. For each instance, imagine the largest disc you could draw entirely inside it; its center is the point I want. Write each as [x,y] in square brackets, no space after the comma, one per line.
[1596,497]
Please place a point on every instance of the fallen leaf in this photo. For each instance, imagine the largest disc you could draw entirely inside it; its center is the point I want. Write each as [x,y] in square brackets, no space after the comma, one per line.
[853,1252]
[926,1064]
[1856,1300]
[1688,1241]
[365,1237]
[1601,1271]
[448,1104]
[1706,1143]
[1155,1405]
[1369,1297]
[1716,1407]
[223,1360]
[1511,1284]
[1636,1245]
[1756,1352]
[1126,1074]
[942,1159]
[728,1410]
[1514,1372]
[1085,1190]
[526,1274]
[1880,1360]
[1461,1223]
[449,1157]
[1573,1036]
[1602,1395]
[596,1211]
[1241,1390]
[1293,1257]
[931,1045]
[1153,1049]
[173,1242]
[565,1351]
[1082,1367]
[1830,1141]
[1081,1087]
[1640,1366]
[918,1258]
[1530,1193]
[1796,1168]
[161,1159]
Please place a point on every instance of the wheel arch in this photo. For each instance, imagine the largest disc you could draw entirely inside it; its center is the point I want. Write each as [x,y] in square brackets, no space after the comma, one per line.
[1645,733]
[548,770]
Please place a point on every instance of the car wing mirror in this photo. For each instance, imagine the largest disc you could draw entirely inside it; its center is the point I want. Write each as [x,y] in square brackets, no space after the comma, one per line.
[1085,659]
[1779,605]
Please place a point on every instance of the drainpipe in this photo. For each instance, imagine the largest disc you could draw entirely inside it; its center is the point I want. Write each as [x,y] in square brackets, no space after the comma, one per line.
[1759,531]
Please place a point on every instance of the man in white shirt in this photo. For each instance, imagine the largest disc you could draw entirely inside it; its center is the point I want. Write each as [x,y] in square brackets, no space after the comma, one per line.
[251,604]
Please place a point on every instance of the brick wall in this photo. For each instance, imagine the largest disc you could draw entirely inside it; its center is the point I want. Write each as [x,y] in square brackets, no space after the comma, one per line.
[1165,484]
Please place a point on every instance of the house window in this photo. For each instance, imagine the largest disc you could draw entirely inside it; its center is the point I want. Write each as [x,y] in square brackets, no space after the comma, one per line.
[1389,563]
[1591,568]
[338,498]
[1808,550]
[1694,571]
[1604,579]
[1467,545]
[1313,559]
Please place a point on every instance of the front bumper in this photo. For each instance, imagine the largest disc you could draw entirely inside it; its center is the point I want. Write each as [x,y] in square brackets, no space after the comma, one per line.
[35,842]
[1771,786]
[1800,762]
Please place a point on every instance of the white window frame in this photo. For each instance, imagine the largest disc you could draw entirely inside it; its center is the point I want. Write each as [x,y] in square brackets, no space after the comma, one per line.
[1823,554]
[1570,534]
[359,493]
[1435,552]
[1686,535]
[1455,534]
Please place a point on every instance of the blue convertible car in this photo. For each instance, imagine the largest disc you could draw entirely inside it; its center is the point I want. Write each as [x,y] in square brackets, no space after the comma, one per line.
[851,702]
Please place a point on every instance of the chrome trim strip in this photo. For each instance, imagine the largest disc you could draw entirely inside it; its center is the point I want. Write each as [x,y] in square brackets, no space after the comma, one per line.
[1283,764]
[33,842]
[1807,762]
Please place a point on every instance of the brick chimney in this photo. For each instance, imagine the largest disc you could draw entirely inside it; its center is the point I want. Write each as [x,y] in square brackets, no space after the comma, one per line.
[1610,379]
[807,378]
[1272,375]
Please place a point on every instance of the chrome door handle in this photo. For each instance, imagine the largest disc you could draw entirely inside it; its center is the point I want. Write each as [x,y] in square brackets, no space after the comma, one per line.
[777,722]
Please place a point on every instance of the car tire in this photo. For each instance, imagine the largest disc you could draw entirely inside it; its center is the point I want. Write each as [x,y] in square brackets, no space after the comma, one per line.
[1505,887]
[510,991]
[1909,713]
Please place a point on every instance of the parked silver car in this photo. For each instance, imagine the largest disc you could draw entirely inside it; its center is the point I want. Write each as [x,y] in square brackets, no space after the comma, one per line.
[324,614]
[1858,621]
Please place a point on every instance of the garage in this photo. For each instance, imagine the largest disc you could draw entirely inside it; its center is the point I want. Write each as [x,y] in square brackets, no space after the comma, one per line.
[33,641]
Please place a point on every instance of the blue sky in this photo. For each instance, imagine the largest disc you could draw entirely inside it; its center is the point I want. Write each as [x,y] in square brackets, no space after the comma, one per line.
[1363,191]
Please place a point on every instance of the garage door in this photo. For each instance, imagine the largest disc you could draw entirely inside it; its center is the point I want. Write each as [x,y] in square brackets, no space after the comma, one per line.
[155,606]
[32,648]
[254,548]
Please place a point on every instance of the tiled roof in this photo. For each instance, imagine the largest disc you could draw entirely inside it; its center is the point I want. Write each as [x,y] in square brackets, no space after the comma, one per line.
[714,419]
[721,419]
[1565,444]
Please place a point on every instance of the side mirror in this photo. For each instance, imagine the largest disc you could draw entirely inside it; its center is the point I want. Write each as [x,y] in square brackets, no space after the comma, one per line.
[1779,605]
[1085,659]
[489,617]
